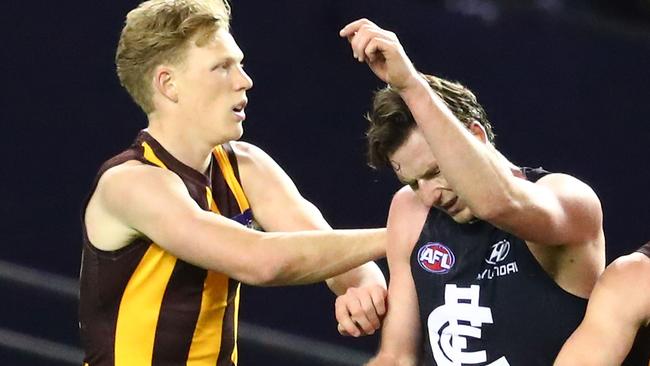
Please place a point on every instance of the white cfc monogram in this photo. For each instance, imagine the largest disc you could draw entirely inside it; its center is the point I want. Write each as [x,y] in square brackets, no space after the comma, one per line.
[448,338]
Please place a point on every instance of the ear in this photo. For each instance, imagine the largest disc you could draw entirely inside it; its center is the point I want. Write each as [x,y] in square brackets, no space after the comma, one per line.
[478,131]
[165,83]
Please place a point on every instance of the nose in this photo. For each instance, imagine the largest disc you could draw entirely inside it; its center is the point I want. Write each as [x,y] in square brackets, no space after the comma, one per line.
[243,82]
[430,191]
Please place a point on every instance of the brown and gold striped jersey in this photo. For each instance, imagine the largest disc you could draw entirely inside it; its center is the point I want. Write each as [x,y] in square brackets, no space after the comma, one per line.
[140,305]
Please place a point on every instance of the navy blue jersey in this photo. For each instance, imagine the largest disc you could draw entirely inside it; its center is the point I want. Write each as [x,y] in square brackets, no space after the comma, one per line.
[484,299]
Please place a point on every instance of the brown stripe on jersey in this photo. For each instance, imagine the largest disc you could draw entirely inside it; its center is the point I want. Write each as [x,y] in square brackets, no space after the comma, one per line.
[207,342]
[104,276]
[178,314]
[221,193]
[213,331]
[140,306]
[231,180]
[228,342]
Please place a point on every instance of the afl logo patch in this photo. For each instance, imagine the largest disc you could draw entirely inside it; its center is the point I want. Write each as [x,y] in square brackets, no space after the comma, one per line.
[436,258]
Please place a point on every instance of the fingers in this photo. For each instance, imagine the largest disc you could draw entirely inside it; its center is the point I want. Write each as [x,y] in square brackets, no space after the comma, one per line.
[352,28]
[342,330]
[362,33]
[376,48]
[359,311]
[346,326]
[378,295]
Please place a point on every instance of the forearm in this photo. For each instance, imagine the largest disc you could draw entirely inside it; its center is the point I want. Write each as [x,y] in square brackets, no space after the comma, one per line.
[595,345]
[389,360]
[364,275]
[462,158]
[309,257]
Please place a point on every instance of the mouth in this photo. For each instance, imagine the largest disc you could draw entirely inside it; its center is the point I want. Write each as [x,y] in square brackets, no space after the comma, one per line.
[450,204]
[238,109]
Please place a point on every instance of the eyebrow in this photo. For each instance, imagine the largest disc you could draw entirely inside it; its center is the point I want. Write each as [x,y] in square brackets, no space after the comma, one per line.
[434,169]
[232,58]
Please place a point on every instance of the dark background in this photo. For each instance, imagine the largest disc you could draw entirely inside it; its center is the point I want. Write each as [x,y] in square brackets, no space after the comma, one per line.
[565,84]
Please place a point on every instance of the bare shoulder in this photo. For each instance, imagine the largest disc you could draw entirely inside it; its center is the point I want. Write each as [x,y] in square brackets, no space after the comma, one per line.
[258,170]
[254,163]
[570,188]
[407,197]
[121,191]
[242,148]
[629,273]
[133,188]
[406,218]
[628,278]
[579,206]
[248,153]
[127,180]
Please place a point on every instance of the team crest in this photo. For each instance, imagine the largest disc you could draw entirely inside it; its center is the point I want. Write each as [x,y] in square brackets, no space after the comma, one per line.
[436,258]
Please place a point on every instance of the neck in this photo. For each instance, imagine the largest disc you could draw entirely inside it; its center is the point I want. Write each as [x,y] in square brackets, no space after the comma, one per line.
[182,144]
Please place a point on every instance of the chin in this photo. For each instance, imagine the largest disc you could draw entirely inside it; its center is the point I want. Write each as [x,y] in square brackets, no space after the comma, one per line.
[236,133]
[464,217]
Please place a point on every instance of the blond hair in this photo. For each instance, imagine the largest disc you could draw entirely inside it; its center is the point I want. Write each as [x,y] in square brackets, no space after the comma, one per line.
[157,32]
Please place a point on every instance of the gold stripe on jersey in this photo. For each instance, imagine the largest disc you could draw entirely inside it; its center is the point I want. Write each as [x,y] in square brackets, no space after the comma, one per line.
[141,301]
[151,156]
[234,355]
[231,180]
[140,307]
[211,204]
[207,338]
[206,341]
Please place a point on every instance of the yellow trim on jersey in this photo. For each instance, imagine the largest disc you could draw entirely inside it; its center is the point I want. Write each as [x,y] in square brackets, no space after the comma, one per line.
[229,175]
[211,204]
[151,156]
[139,310]
[234,355]
[206,341]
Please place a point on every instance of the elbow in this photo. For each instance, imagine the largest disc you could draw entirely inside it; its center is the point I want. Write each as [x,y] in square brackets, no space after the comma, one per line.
[266,272]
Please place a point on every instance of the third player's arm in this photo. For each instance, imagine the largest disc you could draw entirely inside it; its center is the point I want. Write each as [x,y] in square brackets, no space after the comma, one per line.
[619,305]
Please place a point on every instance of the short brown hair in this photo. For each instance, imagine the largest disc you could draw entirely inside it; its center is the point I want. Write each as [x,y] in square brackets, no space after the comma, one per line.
[391,121]
[156,32]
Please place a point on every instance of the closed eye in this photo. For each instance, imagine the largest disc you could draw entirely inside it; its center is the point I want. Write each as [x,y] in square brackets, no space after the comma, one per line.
[431,173]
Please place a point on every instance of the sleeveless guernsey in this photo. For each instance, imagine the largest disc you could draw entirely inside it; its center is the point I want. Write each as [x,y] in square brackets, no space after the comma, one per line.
[484,299]
[140,305]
